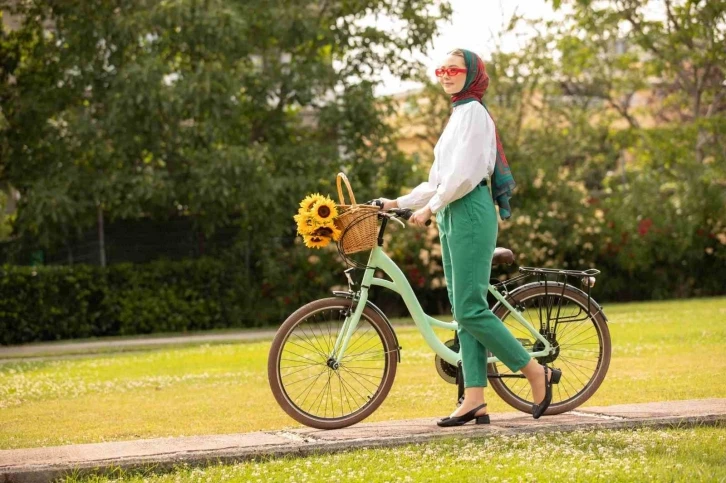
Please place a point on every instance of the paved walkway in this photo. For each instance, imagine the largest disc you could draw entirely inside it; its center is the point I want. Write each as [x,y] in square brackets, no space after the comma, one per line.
[46,349]
[44,464]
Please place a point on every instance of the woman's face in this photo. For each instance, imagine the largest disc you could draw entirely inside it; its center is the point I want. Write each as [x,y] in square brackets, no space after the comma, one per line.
[453,84]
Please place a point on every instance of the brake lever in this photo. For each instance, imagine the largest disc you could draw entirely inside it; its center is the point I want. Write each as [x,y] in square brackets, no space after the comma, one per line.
[393,217]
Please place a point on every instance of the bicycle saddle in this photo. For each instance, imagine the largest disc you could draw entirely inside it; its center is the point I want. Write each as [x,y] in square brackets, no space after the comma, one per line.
[502,256]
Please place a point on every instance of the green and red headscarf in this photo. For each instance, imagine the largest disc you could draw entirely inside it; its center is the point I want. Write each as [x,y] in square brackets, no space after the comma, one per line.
[477,82]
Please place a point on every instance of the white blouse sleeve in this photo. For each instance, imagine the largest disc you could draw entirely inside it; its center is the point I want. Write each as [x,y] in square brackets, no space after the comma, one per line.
[472,158]
[421,194]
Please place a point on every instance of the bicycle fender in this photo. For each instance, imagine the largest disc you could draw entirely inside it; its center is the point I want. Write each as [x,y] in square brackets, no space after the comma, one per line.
[595,305]
[349,295]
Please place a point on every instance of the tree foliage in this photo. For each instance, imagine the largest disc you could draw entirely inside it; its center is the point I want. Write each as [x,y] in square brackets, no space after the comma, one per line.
[613,122]
[207,108]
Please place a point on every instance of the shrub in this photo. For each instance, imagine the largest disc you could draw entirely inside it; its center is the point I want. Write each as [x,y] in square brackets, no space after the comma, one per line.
[63,302]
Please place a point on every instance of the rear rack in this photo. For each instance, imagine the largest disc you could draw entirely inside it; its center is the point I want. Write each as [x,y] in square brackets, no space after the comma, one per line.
[551,277]
[590,272]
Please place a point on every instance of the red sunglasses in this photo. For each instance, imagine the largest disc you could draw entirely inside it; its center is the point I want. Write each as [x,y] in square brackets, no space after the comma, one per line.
[451,71]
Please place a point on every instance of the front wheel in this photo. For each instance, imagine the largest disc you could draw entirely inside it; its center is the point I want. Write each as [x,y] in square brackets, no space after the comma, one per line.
[318,391]
[577,330]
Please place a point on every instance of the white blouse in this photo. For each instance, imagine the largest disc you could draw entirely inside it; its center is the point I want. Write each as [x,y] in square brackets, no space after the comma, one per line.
[464,155]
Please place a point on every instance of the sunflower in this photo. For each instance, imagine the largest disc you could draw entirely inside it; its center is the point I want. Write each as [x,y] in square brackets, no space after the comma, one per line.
[312,241]
[309,201]
[305,223]
[327,230]
[324,210]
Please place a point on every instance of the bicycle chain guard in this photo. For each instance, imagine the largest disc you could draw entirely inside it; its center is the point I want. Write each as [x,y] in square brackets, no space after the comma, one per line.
[443,368]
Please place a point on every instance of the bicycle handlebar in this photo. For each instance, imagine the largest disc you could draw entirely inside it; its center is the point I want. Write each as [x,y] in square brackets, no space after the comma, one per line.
[404,213]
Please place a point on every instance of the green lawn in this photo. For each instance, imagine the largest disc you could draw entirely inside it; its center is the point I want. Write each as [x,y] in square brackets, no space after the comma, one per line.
[661,351]
[686,455]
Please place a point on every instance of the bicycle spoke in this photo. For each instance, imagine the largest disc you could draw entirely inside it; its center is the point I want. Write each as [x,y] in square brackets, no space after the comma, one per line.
[577,358]
[306,368]
[318,347]
[304,358]
[370,352]
[350,348]
[309,389]
[344,392]
[353,389]
[572,373]
[288,384]
[287,366]
[362,376]
[320,397]
[583,331]
[298,345]
[363,368]
[361,380]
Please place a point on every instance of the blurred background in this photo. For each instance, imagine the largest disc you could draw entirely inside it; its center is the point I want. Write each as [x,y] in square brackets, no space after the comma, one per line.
[153,153]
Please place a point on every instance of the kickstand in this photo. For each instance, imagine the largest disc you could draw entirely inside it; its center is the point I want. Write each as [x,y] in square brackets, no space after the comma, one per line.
[459,374]
[459,384]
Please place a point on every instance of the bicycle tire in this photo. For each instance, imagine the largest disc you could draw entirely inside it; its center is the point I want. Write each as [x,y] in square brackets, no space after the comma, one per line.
[276,377]
[530,292]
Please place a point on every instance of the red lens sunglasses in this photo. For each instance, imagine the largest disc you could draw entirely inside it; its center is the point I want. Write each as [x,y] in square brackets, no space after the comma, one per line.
[451,71]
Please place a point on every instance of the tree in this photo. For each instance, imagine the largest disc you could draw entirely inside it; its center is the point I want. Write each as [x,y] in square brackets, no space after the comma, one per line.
[616,167]
[681,47]
[213,109]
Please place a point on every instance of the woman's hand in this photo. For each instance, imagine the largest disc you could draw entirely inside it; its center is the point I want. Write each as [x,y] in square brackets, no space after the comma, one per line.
[388,204]
[420,217]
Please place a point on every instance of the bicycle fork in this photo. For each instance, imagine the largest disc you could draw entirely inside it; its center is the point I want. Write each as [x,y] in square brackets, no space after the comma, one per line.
[352,317]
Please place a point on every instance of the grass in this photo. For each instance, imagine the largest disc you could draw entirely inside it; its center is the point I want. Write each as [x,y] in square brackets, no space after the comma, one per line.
[688,455]
[661,351]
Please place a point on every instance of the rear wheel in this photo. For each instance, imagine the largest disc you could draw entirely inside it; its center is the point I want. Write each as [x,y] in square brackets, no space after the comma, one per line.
[580,336]
[324,393]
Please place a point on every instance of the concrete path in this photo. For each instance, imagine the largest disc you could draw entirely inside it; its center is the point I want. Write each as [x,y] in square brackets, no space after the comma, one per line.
[48,349]
[44,464]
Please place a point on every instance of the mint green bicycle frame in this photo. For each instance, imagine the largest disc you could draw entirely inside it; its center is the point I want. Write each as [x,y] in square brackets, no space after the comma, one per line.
[425,323]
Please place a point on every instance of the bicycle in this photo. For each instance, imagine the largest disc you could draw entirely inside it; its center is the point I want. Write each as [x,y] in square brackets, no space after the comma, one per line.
[333,361]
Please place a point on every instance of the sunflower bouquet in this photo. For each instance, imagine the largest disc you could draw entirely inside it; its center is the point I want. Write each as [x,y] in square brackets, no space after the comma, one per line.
[316,221]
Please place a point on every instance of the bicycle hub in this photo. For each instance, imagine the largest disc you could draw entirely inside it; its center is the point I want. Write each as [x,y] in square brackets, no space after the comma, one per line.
[539,346]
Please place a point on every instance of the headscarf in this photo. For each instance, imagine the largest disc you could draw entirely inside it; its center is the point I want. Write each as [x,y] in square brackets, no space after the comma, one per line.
[477,82]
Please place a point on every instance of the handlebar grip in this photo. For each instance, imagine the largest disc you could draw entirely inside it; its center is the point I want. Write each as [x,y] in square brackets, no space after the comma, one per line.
[406,213]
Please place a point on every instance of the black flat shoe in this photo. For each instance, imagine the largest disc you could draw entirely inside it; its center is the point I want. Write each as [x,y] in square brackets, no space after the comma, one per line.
[464,418]
[539,409]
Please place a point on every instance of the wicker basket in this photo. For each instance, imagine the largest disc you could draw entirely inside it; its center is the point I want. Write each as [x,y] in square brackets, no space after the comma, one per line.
[358,223]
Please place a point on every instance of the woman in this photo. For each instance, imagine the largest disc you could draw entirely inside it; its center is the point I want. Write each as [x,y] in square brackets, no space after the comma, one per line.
[457,192]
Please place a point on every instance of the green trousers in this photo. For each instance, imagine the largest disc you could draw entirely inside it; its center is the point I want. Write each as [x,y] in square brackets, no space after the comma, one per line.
[468,233]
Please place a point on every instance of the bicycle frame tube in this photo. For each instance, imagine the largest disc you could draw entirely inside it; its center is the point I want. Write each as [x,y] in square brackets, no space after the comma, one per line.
[518,317]
[399,284]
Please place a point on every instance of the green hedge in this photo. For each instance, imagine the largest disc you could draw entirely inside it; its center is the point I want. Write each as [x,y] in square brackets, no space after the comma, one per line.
[64,302]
